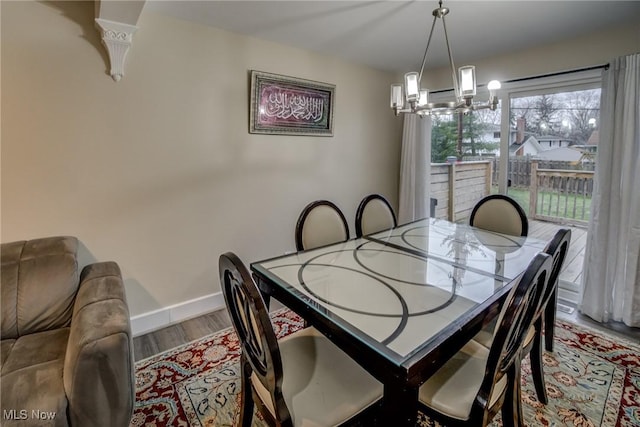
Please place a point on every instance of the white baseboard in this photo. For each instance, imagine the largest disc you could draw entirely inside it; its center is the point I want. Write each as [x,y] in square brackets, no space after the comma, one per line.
[156,319]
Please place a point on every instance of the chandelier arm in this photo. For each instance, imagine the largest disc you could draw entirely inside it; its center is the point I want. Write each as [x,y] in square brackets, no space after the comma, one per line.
[454,75]
[424,57]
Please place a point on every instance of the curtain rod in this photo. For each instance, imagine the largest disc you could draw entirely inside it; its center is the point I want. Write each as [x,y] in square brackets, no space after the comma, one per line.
[557,73]
[560,73]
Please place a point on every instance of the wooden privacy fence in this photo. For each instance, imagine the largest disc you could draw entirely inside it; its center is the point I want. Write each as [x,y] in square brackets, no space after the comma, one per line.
[458,186]
[554,194]
[560,195]
[519,170]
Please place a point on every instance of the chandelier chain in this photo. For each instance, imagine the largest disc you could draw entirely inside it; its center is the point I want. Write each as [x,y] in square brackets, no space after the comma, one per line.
[456,85]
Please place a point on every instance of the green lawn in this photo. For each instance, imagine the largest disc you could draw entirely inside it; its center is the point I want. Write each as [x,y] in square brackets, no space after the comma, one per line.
[549,204]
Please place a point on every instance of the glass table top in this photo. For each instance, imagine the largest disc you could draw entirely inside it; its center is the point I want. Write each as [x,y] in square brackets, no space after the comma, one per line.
[396,290]
[468,247]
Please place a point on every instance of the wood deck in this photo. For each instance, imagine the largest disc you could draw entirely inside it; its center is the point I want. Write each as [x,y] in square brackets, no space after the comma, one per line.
[572,269]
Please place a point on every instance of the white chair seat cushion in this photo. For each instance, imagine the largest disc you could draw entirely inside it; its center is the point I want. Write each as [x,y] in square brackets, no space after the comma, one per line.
[453,388]
[485,337]
[322,386]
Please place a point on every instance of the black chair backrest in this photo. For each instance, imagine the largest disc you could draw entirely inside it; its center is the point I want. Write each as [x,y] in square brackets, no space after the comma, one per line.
[252,324]
[329,223]
[516,316]
[557,248]
[500,213]
[380,217]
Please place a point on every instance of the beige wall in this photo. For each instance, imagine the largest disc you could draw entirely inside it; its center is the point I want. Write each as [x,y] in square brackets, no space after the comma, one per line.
[593,49]
[158,172]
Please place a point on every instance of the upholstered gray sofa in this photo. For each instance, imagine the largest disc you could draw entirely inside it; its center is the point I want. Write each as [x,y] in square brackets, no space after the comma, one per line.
[67,355]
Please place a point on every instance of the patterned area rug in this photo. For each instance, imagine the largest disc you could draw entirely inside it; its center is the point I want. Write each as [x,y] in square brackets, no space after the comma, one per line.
[592,380]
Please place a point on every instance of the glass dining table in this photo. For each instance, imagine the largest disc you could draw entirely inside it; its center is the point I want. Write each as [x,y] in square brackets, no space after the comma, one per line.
[402,301]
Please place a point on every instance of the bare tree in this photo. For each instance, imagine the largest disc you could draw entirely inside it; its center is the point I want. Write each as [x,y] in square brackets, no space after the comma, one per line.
[545,119]
[488,116]
[582,109]
[523,108]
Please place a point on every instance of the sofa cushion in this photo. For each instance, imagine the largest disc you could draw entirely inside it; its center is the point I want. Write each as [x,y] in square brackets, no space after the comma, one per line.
[39,284]
[32,387]
[34,349]
[5,349]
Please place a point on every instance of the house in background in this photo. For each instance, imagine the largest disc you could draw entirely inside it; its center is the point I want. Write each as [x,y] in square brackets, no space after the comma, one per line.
[548,142]
[491,135]
[591,147]
[549,149]
[562,154]
[542,147]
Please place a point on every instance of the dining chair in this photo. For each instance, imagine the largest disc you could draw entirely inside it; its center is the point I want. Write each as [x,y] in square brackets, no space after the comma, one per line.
[544,318]
[320,223]
[477,382]
[374,214]
[301,380]
[500,213]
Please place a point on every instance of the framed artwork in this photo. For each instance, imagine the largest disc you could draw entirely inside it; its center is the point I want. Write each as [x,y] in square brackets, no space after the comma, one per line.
[282,105]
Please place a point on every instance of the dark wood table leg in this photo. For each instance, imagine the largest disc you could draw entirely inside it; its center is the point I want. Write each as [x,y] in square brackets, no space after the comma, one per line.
[399,406]
[265,290]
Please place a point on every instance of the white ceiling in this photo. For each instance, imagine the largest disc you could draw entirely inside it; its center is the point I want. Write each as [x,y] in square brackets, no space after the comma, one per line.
[392,35]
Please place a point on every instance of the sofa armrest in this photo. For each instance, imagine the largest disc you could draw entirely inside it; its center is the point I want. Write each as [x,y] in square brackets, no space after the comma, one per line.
[99,369]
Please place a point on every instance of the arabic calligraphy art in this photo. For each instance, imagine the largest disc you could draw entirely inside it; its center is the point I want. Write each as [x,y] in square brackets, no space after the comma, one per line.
[290,106]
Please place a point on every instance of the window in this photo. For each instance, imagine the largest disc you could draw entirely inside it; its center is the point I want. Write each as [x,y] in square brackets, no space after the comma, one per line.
[551,120]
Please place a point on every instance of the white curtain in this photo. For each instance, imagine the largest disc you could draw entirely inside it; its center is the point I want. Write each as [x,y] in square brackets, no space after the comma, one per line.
[415,169]
[611,282]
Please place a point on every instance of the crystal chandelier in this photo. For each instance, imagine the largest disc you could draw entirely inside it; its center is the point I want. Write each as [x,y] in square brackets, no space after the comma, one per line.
[413,99]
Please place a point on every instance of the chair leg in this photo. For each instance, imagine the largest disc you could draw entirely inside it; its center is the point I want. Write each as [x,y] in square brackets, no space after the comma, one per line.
[550,320]
[508,415]
[511,407]
[517,401]
[246,398]
[537,370]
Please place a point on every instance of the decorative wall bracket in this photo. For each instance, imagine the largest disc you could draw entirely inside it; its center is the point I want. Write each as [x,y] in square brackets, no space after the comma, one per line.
[116,38]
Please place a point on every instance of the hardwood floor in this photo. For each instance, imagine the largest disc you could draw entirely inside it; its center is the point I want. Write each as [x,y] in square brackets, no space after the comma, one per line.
[190,330]
[181,333]
[175,335]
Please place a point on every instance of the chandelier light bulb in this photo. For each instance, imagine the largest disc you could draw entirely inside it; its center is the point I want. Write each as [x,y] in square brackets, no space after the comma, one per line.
[468,81]
[397,98]
[411,87]
[424,97]
[494,85]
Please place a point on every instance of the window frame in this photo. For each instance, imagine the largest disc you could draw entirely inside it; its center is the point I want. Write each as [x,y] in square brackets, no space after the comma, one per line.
[545,85]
